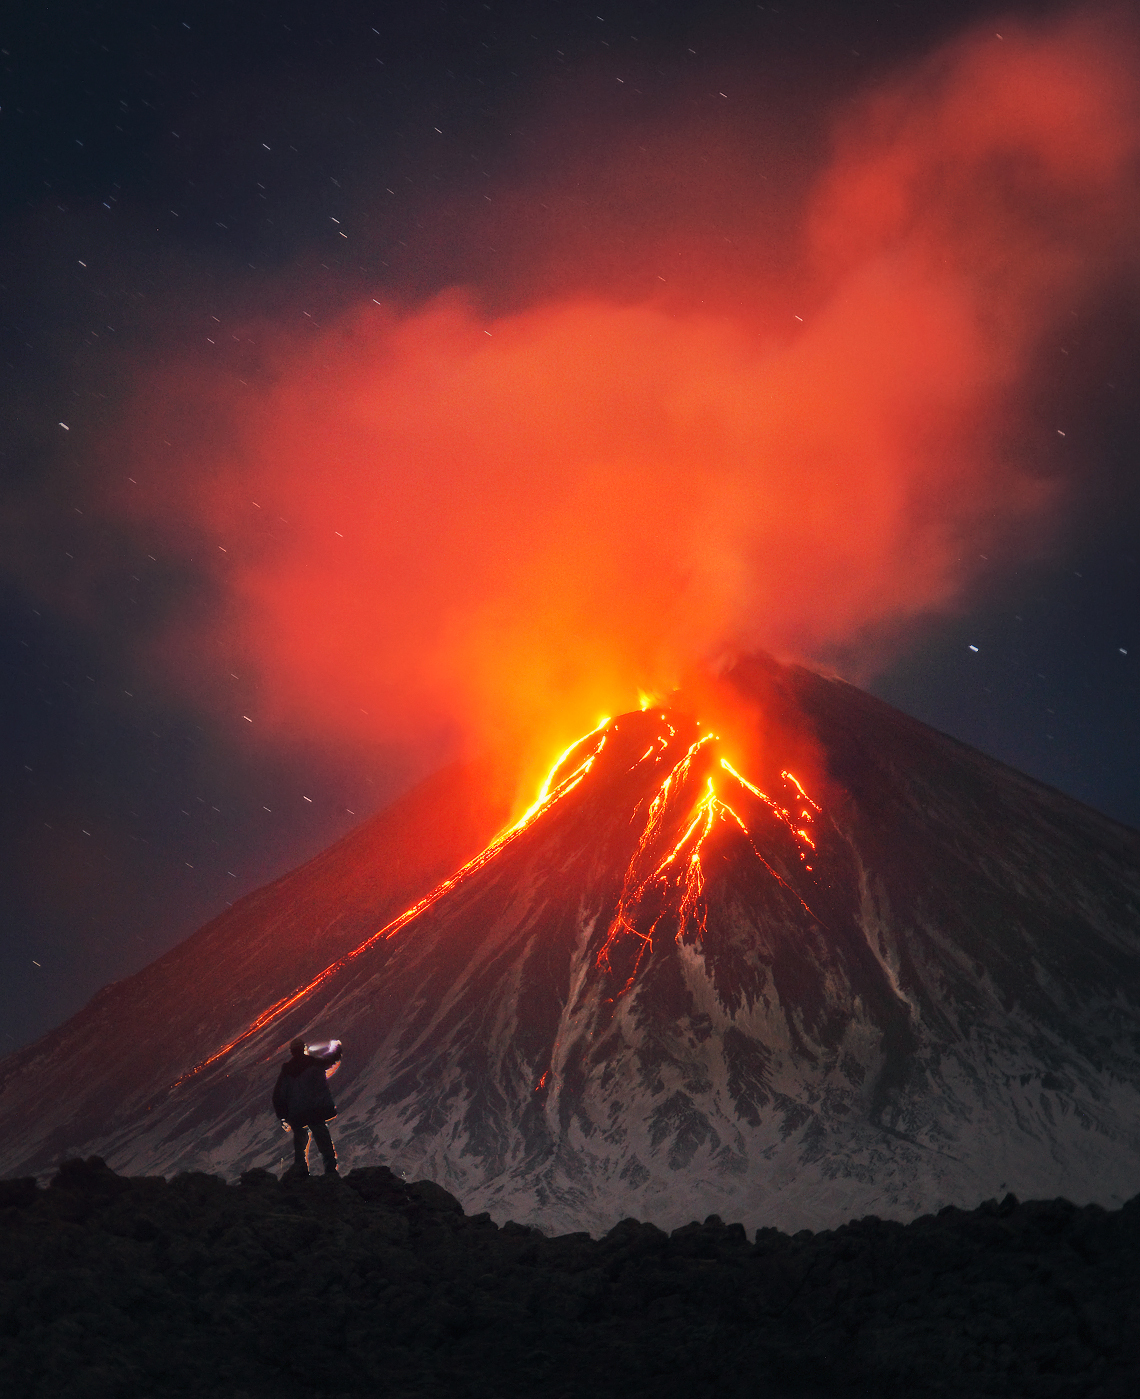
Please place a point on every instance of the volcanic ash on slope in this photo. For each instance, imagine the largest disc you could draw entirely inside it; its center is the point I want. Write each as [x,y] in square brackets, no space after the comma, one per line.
[687,983]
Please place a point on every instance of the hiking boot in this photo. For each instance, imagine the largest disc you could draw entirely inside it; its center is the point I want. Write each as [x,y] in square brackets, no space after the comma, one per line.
[296,1172]
[330,1168]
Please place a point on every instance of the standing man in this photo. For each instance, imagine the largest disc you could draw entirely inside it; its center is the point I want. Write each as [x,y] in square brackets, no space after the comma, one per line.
[301,1099]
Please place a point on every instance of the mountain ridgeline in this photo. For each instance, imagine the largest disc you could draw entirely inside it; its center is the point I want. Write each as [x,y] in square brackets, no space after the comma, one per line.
[901,977]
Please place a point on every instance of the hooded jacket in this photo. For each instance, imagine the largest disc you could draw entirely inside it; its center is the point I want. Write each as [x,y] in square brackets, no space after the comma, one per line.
[301,1093]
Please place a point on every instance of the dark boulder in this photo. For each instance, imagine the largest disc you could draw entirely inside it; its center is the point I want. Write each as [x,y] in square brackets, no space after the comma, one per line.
[112,1288]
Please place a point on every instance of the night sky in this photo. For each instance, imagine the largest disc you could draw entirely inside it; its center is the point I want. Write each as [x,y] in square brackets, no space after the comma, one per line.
[204,206]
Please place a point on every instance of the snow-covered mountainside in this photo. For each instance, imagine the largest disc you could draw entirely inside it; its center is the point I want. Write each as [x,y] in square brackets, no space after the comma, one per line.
[903,977]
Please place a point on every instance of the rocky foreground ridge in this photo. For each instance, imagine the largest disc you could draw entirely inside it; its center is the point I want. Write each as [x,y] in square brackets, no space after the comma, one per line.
[115,1287]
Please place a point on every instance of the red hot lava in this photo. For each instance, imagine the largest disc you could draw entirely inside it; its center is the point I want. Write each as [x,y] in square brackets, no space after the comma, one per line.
[687,799]
[699,799]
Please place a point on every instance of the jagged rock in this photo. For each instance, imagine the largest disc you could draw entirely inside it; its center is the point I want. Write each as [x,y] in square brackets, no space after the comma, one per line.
[114,1287]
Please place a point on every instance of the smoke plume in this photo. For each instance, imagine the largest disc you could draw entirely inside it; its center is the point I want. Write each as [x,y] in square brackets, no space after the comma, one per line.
[507,522]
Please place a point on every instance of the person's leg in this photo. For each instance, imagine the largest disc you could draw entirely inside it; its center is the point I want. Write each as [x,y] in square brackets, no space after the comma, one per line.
[300,1148]
[323,1139]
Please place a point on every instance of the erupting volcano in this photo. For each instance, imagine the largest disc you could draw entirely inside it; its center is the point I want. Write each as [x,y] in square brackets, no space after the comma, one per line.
[685,981]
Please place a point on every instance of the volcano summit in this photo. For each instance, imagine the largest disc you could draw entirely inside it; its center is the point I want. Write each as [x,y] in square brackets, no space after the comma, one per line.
[681,984]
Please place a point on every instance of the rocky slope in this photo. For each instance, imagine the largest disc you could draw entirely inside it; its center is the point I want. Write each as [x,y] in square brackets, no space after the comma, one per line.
[694,982]
[123,1050]
[111,1288]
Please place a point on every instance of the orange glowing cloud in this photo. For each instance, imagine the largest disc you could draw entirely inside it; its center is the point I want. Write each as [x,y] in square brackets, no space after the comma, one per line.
[510,523]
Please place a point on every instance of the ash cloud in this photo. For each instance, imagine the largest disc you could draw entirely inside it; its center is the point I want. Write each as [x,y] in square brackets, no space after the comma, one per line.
[500,513]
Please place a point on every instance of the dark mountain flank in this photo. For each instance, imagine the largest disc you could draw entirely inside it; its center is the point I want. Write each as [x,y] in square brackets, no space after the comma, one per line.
[818,961]
[107,1064]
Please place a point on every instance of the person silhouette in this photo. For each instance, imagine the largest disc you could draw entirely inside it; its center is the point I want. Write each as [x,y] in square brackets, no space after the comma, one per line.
[303,1102]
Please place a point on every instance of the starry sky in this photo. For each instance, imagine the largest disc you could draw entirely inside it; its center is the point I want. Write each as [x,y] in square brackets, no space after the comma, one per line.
[226,227]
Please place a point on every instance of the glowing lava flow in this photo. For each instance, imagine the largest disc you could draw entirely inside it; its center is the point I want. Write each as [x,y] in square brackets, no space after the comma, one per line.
[679,872]
[548,795]
[659,883]
[799,832]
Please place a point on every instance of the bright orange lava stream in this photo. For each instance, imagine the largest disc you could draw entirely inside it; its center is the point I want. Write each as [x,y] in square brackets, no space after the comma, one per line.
[548,795]
[681,866]
[679,869]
